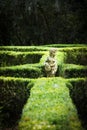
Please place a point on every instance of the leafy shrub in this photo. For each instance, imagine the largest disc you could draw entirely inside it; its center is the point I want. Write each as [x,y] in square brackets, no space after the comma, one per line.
[13,95]
[78,93]
[76,55]
[71,70]
[65,45]
[20,71]
[8,58]
[23,48]
[49,107]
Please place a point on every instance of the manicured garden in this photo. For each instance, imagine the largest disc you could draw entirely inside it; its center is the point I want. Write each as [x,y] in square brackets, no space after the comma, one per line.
[31,101]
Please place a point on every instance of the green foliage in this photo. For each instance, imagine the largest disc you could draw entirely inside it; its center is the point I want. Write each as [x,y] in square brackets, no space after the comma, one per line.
[60,61]
[23,48]
[76,55]
[49,107]
[78,93]
[25,71]
[72,70]
[65,45]
[13,95]
[8,58]
[40,22]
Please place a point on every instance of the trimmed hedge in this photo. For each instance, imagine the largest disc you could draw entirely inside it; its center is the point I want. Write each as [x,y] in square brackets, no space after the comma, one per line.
[31,70]
[37,70]
[23,48]
[8,58]
[72,71]
[38,48]
[13,95]
[49,107]
[25,71]
[76,55]
[65,45]
[78,93]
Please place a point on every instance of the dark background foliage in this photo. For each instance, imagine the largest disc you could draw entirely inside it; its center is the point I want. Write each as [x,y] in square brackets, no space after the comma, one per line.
[38,22]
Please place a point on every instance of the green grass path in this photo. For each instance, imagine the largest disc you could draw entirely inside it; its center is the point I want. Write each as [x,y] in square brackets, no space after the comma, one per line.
[49,107]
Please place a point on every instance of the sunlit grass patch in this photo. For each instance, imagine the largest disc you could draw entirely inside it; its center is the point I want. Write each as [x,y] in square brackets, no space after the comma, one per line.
[49,107]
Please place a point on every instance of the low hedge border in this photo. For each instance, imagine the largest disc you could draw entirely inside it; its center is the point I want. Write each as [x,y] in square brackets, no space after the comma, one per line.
[23,48]
[8,58]
[72,71]
[32,70]
[76,55]
[13,95]
[38,48]
[49,107]
[78,92]
[65,45]
[25,71]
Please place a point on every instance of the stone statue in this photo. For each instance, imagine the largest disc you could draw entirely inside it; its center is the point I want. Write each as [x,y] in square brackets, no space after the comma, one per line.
[51,63]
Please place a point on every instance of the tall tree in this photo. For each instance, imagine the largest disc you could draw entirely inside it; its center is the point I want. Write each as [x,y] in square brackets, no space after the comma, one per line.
[36,22]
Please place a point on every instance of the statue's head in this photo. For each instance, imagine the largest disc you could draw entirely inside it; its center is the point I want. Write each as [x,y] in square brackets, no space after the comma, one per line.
[52,52]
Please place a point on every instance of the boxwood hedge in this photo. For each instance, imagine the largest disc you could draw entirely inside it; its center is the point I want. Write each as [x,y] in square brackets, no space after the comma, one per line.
[76,55]
[23,48]
[13,95]
[24,71]
[78,92]
[72,71]
[8,58]
[49,106]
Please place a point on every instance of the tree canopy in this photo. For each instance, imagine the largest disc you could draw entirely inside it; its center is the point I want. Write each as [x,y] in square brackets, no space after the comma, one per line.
[38,22]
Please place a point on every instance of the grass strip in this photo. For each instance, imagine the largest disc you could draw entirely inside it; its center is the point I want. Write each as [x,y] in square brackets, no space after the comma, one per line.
[49,107]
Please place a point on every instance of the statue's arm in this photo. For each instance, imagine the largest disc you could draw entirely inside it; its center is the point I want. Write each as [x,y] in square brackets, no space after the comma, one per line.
[47,65]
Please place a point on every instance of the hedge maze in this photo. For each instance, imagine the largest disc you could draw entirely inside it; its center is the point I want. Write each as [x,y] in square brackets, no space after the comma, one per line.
[31,101]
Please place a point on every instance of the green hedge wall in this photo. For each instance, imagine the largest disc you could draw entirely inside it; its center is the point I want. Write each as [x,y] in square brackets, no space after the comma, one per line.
[78,93]
[8,58]
[65,45]
[38,48]
[72,71]
[49,107]
[37,70]
[27,71]
[13,95]
[46,95]
[77,55]
[23,48]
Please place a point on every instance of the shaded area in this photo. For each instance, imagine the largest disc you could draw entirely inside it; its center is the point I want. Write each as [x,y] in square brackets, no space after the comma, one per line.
[13,96]
[29,22]
[78,92]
